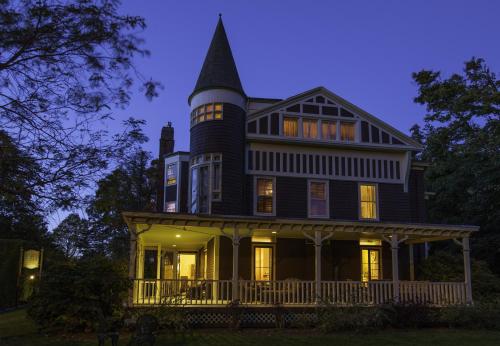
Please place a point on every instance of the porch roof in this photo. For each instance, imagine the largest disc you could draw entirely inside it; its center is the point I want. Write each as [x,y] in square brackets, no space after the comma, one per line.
[416,232]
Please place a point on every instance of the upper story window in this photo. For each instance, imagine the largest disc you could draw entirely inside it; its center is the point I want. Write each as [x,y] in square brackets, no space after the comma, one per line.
[290,127]
[171,174]
[309,128]
[368,201]
[206,174]
[264,199]
[170,207]
[347,131]
[329,130]
[210,111]
[318,199]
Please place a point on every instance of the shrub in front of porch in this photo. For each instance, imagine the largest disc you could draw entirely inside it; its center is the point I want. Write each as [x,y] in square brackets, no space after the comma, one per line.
[352,318]
[80,295]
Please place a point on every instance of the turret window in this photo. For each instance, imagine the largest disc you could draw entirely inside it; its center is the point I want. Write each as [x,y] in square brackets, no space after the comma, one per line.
[210,111]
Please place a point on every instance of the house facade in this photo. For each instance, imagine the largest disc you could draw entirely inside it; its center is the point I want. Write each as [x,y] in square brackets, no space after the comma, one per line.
[291,201]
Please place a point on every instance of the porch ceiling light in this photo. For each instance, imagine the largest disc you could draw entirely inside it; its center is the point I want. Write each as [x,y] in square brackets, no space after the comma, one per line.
[174,245]
[274,232]
[177,235]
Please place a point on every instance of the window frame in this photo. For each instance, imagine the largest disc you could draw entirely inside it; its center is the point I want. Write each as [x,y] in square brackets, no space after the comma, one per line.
[377,201]
[327,188]
[299,124]
[381,266]
[207,160]
[272,246]
[354,126]
[200,113]
[309,121]
[255,199]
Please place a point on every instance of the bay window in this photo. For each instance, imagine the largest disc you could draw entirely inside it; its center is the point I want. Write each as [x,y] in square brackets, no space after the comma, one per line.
[205,182]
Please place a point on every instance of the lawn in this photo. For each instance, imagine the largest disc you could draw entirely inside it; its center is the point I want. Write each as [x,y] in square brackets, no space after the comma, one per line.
[16,329]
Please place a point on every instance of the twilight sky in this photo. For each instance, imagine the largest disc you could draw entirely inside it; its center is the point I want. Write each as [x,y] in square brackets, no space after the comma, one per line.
[364,51]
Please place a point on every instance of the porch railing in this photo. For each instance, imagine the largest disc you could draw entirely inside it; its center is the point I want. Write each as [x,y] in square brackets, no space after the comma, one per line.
[294,292]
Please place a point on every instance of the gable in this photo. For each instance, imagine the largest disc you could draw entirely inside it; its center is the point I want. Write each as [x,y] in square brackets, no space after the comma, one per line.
[322,106]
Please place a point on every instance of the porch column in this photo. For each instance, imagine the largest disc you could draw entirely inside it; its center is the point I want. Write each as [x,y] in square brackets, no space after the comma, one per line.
[467,270]
[236,245]
[317,267]
[131,266]
[412,264]
[395,266]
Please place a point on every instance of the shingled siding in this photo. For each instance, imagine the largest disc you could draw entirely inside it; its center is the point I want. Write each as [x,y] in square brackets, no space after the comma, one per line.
[344,200]
[417,199]
[394,203]
[291,197]
[210,259]
[224,136]
[183,203]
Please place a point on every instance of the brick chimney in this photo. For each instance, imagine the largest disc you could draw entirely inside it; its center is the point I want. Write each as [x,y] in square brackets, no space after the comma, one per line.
[166,147]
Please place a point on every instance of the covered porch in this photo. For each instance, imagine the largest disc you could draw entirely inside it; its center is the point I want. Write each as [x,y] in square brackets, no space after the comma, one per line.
[189,260]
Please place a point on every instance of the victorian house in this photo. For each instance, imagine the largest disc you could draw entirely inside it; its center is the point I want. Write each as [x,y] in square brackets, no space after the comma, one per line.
[292,201]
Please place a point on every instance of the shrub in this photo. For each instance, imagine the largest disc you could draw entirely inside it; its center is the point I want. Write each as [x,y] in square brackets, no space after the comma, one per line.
[410,315]
[483,315]
[79,295]
[355,318]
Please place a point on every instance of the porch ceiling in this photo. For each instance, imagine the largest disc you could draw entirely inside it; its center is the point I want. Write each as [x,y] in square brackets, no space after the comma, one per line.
[198,229]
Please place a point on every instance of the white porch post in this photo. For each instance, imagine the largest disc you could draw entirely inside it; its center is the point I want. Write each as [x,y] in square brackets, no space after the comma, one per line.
[412,263]
[395,266]
[467,270]
[132,266]
[317,267]
[236,244]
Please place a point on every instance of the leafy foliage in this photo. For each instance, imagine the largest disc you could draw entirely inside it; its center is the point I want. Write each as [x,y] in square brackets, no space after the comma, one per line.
[462,143]
[76,295]
[73,236]
[64,64]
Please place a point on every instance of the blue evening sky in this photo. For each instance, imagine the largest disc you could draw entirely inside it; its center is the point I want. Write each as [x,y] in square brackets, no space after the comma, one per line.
[364,51]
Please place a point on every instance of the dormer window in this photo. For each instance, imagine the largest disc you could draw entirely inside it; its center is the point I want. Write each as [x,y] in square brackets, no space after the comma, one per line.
[346,131]
[309,128]
[290,127]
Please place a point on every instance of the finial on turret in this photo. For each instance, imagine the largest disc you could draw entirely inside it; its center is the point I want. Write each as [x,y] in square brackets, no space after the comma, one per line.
[220,15]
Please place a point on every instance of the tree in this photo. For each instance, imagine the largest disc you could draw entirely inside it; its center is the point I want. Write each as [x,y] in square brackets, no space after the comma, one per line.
[73,236]
[462,143]
[64,64]
[131,186]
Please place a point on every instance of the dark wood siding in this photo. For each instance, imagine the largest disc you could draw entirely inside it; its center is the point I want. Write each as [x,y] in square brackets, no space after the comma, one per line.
[183,203]
[346,260]
[245,259]
[344,200]
[394,203]
[416,191]
[291,197]
[225,258]
[210,259]
[291,259]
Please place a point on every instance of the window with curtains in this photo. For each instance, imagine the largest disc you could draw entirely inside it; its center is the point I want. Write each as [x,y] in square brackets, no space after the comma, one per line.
[346,131]
[264,199]
[309,128]
[368,201]
[370,264]
[290,127]
[329,130]
[318,199]
[263,263]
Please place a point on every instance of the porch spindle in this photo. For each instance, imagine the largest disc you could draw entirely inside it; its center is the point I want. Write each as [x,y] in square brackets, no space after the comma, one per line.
[467,270]
[236,245]
[317,246]
[395,266]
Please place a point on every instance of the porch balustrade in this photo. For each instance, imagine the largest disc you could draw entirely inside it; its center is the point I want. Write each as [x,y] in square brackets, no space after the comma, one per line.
[294,292]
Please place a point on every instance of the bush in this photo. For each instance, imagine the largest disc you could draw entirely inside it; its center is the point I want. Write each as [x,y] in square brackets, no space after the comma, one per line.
[355,318]
[483,315]
[79,295]
[410,315]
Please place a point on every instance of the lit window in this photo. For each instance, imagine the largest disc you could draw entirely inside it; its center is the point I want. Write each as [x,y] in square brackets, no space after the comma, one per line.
[170,207]
[263,259]
[171,174]
[370,242]
[264,198]
[318,199]
[368,201]
[290,127]
[370,264]
[329,130]
[206,112]
[309,128]
[346,131]
[261,239]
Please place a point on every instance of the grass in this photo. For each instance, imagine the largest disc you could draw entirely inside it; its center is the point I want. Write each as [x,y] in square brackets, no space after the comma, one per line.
[17,329]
